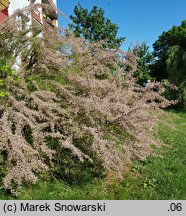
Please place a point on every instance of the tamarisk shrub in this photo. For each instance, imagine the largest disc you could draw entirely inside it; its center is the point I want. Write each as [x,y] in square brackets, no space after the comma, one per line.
[39,126]
[24,43]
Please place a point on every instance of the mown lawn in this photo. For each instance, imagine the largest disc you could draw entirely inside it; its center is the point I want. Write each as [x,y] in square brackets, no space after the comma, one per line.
[159,177]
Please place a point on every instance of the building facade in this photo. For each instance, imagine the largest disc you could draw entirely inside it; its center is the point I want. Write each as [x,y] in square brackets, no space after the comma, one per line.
[8,7]
[42,15]
[4,4]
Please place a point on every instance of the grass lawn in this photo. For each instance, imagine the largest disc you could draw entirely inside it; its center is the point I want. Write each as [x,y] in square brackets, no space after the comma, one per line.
[161,177]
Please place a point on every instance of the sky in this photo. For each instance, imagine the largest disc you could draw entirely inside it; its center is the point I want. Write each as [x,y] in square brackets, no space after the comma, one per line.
[138,20]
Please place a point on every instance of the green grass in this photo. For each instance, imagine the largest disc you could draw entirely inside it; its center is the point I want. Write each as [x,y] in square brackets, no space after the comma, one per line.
[158,177]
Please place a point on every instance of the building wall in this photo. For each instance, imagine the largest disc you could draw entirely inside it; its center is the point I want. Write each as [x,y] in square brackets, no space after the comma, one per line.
[8,7]
[3,10]
[37,15]
[17,4]
[3,15]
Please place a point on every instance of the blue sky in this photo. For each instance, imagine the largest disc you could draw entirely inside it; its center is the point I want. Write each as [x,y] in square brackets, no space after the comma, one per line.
[138,20]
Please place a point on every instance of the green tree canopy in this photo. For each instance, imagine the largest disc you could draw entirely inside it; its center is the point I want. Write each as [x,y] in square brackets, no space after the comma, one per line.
[170,52]
[145,61]
[93,26]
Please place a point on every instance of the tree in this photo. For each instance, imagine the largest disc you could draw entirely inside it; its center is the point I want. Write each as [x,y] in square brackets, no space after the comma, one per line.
[145,60]
[170,51]
[170,54]
[93,26]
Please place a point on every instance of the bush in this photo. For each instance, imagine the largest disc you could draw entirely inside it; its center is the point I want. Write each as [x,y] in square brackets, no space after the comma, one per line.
[63,129]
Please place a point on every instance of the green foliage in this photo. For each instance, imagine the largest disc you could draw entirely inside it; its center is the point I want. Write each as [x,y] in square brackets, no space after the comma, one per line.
[182,94]
[69,168]
[93,26]
[176,64]
[7,76]
[145,60]
[170,52]
[3,170]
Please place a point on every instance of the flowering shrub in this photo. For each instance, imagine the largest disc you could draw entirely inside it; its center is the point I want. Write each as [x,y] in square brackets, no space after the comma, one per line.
[40,125]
